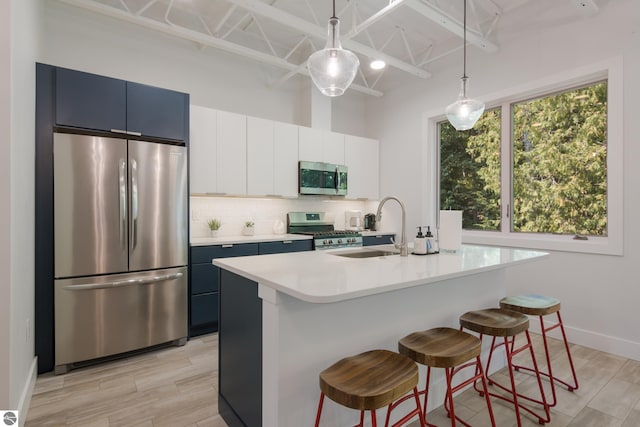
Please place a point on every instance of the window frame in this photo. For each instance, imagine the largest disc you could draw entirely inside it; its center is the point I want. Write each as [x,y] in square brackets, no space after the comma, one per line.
[612,244]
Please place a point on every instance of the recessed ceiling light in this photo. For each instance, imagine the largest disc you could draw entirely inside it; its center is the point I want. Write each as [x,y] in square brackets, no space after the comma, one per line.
[377,64]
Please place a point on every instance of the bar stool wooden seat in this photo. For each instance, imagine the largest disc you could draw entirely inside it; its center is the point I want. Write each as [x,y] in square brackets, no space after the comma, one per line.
[499,322]
[452,350]
[541,305]
[370,381]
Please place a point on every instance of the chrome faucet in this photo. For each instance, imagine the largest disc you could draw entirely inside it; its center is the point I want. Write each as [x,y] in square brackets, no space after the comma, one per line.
[404,249]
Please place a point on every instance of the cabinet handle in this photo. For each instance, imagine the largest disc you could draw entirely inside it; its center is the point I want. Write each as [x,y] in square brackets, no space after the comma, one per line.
[134,203]
[227,246]
[120,283]
[118,131]
[379,237]
[287,242]
[122,190]
[130,132]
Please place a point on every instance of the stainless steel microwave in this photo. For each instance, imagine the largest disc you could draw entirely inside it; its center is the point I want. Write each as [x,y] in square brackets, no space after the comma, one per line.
[322,178]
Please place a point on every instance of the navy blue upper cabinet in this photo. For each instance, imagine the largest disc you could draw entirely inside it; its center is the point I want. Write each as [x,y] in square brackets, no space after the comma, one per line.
[157,112]
[90,101]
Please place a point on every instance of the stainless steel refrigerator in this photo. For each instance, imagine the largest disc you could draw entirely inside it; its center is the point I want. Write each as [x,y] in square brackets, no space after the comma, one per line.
[121,243]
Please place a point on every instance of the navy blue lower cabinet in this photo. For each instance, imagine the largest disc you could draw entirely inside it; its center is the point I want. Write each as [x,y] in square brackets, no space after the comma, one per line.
[285,246]
[204,284]
[204,310]
[379,239]
[204,281]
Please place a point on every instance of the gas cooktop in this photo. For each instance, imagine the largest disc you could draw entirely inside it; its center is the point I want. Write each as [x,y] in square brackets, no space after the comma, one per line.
[324,235]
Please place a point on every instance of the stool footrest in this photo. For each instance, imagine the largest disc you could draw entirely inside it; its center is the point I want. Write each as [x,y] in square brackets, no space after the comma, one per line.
[546,375]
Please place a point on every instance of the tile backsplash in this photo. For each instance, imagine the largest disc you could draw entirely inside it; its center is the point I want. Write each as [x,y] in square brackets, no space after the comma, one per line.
[233,212]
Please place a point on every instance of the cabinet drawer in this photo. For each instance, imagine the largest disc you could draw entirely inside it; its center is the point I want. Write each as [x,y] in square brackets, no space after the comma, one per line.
[204,309]
[381,239]
[285,246]
[204,278]
[204,254]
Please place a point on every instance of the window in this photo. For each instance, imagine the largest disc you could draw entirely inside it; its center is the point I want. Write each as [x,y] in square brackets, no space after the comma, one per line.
[470,171]
[536,170]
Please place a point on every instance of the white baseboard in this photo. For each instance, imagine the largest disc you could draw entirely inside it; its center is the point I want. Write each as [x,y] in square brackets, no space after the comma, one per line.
[591,339]
[27,392]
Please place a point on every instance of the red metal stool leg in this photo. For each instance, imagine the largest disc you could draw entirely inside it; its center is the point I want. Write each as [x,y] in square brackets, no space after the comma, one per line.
[418,411]
[511,351]
[479,376]
[549,374]
[319,409]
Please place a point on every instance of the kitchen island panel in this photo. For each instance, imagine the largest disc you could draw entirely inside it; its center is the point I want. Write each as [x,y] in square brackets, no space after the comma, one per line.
[300,339]
[318,307]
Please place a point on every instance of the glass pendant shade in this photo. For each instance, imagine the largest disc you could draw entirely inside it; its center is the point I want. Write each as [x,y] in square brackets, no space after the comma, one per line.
[464,113]
[333,69]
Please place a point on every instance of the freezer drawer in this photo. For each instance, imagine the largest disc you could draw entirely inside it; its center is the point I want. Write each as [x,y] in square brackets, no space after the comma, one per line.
[106,315]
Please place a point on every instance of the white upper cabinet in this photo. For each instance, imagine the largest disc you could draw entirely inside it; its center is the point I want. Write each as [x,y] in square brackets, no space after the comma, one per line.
[238,155]
[231,162]
[272,158]
[363,160]
[316,145]
[310,144]
[333,147]
[202,150]
[285,160]
[260,157]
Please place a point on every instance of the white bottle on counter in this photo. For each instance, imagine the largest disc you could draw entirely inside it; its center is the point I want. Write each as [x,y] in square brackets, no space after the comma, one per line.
[432,244]
[420,243]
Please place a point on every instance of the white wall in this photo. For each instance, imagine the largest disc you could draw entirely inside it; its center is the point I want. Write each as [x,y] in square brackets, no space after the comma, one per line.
[5,194]
[18,46]
[599,294]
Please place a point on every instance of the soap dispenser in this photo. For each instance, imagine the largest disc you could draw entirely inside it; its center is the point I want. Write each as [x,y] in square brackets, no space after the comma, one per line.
[432,246]
[420,243]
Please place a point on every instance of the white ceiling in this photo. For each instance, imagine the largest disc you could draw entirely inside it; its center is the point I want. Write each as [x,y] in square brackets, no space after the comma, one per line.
[410,35]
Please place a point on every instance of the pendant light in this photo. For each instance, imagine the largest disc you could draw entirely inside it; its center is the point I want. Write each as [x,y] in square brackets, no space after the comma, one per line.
[333,68]
[464,113]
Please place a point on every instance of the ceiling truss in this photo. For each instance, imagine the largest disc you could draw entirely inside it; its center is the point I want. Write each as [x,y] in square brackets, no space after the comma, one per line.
[215,34]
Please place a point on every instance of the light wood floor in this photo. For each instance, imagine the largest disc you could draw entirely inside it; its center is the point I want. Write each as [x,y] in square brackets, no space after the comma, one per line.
[177,386]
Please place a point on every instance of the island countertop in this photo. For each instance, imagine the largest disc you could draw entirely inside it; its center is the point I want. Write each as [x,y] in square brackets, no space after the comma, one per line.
[324,277]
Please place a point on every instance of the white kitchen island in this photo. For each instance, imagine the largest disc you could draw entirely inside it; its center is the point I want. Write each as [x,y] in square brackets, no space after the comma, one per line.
[313,308]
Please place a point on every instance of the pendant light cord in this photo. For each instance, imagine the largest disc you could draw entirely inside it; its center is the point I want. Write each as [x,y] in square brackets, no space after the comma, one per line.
[334,9]
[464,38]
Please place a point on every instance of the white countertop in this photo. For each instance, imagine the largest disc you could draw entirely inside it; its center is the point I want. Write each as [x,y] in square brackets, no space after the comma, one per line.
[225,240]
[321,277]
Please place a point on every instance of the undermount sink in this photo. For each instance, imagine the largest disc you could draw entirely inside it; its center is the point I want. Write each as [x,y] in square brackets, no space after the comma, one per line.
[365,253]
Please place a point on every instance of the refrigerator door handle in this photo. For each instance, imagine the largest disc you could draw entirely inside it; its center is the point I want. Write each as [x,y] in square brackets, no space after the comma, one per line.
[122,185]
[134,202]
[120,283]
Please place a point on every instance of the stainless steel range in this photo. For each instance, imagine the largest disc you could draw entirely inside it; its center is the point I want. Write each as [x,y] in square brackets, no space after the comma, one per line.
[322,230]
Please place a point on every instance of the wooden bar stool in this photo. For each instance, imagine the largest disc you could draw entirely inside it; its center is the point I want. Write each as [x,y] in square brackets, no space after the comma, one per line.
[452,350]
[369,381]
[540,305]
[499,322]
